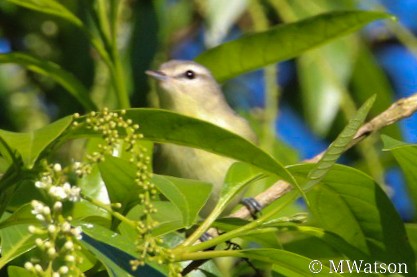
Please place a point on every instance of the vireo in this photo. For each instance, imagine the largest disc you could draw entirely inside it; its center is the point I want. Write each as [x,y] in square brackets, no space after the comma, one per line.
[189,88]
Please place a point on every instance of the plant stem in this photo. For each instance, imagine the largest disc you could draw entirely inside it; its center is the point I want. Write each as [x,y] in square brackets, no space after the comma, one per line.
[236,232]
[110,210]
[207,255]
[260,23]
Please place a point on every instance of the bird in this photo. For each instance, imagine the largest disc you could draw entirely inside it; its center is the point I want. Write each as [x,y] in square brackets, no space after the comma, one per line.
[188,88]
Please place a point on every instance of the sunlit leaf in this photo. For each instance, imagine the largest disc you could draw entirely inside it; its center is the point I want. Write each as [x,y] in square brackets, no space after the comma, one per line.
[167,127]
[368,74]
[287,263]
[238,176]
[22,215]
[411,229]
[19,272]
[220,16]
[324,74]
[30,145]
[282,42]
[406,155]
[114,251]
[350,204]
[53,71]
[168,216]
[15,241]
[182,193]
[337,147]
[119,176]
[49,7]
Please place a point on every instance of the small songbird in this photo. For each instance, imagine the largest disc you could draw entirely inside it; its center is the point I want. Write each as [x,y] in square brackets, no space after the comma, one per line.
[189,88]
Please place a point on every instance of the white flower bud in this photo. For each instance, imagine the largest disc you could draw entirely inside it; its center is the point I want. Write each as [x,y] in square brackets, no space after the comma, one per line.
[57,167]
[28,265]
[64,269]
[51,228]
[69,245]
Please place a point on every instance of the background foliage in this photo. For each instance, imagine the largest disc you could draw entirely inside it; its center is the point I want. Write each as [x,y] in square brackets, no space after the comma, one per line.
[298,70]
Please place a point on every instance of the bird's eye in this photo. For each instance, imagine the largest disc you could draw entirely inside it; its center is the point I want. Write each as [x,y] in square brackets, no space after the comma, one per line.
[189,74]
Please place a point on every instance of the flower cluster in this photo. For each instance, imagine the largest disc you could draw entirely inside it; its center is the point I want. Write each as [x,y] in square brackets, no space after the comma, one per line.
[112,126]
[57,238]
[149,247]
[119,133]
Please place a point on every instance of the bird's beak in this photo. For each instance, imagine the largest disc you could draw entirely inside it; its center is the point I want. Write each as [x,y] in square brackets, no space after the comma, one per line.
[159,75]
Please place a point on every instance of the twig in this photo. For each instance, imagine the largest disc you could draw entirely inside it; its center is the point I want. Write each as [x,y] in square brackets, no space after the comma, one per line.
[403,108]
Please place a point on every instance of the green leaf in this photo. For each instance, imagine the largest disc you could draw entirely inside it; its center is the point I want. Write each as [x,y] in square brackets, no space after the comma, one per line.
[350,204]
[53,71]
[339,247]
[238,176]
[324,75]
[406,155]
[367,74]
[22,215]
[411,229]
[113,250]
[16,271]
[168,216]
[287,263]
[87,211]
[15,241]
[168,127]
[337,147]
[182,193]
[220,17]
[282,42]
[119,176]
[30,145]
[49,7]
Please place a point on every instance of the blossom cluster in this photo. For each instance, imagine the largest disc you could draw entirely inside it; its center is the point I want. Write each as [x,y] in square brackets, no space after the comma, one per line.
[115,131]
[56,238]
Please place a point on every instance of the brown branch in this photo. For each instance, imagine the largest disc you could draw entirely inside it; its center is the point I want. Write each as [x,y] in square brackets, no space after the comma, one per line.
[401,109]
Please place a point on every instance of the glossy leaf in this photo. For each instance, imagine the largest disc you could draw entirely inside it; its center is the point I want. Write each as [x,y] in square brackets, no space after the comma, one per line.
[282,42]
[350,204]
[238,176]
[119,176]
[49,7]
[87,211]
[412,235]
[114,251]
[53,71]
[168,216]
[368,74]
[19,272]
[30,145]
[324,75]
[318,243]
[22,215]
[220,17]
[189,196]
[167,127]
[337,147]
[15,241]
[406,155]
[287,263]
